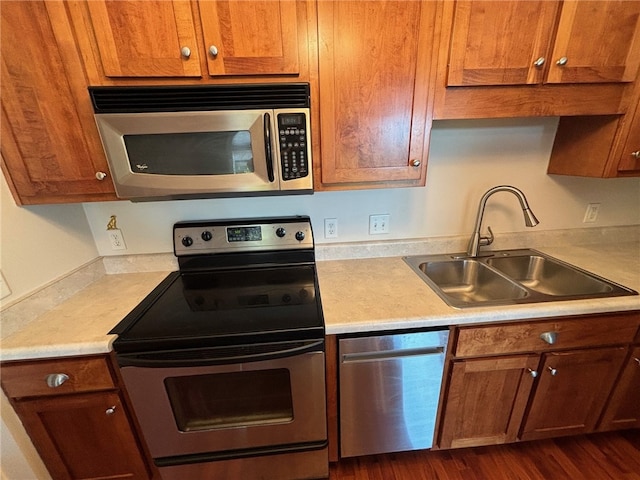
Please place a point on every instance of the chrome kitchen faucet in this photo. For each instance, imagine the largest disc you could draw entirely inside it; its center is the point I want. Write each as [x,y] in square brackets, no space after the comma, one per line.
[477,239]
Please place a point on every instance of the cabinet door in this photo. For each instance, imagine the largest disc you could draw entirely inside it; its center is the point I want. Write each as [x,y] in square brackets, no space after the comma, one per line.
[623,410]
[145,38]
[517,55]
[251,37]
[374,64]
[572,390]
[630,152]
[486,399]
[84,436]
[596,41]
[51,151]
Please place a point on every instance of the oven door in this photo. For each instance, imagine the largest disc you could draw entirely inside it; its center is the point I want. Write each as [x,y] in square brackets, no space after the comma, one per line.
[174,154]
[222,408]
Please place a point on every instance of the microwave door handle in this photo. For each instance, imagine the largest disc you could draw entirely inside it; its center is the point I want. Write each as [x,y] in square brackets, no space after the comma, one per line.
[267,146]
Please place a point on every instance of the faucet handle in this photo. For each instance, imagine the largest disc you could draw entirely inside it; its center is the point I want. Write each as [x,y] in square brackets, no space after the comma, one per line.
[484,241]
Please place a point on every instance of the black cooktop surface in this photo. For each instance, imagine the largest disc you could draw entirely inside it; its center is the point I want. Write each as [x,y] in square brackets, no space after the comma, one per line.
[225,307]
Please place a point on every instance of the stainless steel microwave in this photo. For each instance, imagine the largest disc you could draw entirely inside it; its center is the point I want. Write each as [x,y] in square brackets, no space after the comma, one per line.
[206,141]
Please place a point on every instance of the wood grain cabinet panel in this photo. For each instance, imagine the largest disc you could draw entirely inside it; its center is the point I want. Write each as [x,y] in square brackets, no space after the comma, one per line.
[145,38]
[374,80]
[51,151]
[623,409]
[81,427]
[571,392]
[196,41]
[505,384]
[486,399]
[537,58]
[85,436]
[251,38]
[505,59]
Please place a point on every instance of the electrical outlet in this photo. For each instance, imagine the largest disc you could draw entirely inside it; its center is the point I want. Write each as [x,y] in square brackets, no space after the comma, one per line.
[591,215]
[378,224]
[5,291]
[330,228]
[116,239]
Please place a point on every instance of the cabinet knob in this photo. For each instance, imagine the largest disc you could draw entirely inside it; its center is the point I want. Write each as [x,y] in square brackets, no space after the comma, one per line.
[56,379]
[213,50]
[185,52]
[415,162]
[553,371]
[637,360]
[562,61]
[101,175]
[636,154]
[549,337]
[539,62]
[111,410]
[533,373]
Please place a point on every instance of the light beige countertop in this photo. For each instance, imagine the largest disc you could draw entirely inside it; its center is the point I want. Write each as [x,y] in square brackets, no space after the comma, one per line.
[368,294]
[386,294]
[80,325]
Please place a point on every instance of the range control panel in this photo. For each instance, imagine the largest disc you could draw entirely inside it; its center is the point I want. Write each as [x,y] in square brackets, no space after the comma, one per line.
[246,235]
[294,145]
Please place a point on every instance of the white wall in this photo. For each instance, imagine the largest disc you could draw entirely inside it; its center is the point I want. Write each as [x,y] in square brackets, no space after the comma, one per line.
[40,243]
[466,159]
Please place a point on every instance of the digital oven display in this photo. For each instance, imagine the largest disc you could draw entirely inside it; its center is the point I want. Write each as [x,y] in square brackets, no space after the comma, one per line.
[244,234]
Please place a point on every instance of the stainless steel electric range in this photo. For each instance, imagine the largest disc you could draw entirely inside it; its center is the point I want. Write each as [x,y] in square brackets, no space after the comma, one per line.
[224,360]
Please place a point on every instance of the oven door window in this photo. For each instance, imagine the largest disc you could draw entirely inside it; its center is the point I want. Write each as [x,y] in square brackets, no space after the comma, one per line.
[233,399]
[195,153]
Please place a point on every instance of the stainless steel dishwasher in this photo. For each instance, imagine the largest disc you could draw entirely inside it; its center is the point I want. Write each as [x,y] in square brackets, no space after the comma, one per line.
[389,391]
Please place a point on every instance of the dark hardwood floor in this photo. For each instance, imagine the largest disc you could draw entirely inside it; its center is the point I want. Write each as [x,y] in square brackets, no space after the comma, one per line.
[603,456]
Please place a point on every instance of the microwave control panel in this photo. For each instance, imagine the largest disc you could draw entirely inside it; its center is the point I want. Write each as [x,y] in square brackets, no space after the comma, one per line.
[292,133]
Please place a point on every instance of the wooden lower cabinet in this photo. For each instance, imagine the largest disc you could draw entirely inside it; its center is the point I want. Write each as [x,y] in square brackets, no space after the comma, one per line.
[486,400]
[571,392]
[85,436]
[76,416]
[506,383]
[623,409]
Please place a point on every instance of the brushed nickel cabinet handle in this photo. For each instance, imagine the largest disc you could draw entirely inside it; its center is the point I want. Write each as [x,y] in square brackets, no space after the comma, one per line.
[54,380]
[549,337]
[111,410]
[533,373]
[553,371]
[562,61]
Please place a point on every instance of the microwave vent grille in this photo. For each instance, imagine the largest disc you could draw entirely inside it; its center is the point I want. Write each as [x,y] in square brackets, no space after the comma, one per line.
[199,98]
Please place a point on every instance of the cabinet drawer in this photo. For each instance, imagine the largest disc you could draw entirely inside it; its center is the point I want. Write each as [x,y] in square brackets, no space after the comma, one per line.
[29,379]
[562,332]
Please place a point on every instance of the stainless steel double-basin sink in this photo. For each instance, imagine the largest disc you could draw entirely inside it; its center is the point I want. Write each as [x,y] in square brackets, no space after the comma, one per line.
[509,277]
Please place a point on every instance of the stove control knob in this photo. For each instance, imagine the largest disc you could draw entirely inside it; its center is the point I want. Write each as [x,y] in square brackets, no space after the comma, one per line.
[281,232]
[299,236]
[187,241]
[206,235]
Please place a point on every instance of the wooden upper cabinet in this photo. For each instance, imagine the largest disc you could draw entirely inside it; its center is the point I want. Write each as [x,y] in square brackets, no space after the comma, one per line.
[51,151]
[145,38]
[374,77]
[179,39]
[249,38]
[575,57]
[628,156]
[595,42]
[500,43]
[600,41]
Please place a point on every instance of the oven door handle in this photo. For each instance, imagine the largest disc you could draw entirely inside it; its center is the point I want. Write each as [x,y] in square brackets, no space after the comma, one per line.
[217,356]
[267,146]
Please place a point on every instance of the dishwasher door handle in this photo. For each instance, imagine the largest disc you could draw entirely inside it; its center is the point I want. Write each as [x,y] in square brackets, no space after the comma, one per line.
[390,354]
